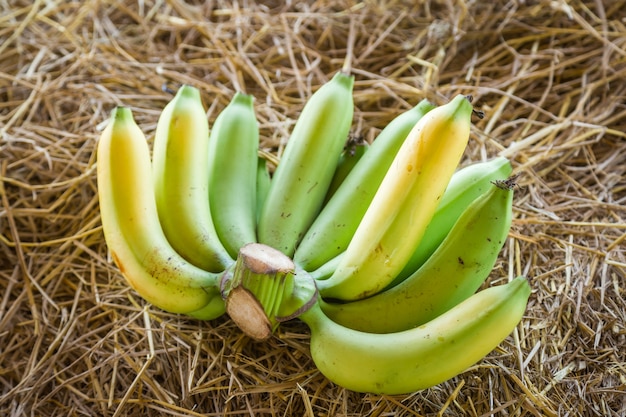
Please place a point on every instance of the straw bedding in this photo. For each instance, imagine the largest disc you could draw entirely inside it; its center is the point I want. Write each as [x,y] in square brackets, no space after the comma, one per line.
[549,75]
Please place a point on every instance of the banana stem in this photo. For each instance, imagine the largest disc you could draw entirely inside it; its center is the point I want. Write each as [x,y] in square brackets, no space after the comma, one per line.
[264,288]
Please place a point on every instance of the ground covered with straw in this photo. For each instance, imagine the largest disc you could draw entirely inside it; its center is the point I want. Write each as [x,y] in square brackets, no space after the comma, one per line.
[549,75]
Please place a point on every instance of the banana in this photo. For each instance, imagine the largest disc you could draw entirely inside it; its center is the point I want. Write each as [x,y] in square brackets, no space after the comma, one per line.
[327,269]
[419,358]
[465,186]
[333,228]
[233,161]
[214,309]
[404,204]
[351,155]
[263,182]
[132,229]
[307,165]
[453,273]
[180,162]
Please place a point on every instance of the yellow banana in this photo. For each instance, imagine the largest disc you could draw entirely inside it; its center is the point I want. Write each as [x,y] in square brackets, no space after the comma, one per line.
[233,159]
[330,233]
[307,165]
[181,179]
[456,269]
[404,204]
[132,229]
[419,358]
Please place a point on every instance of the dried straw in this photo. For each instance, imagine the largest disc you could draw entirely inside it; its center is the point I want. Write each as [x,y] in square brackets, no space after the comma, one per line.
[75,340]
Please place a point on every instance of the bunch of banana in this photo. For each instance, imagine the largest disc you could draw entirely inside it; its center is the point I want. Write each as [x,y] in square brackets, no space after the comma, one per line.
[134,233]
[380,249]
[454,272]
[396,219]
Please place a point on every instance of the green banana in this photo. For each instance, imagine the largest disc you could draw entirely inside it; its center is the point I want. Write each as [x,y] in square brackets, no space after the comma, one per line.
[457,268]
[465,186]
[419,358]
[351,155]
[263,182]
[307,165]
[132,229]
[214,309]
[233,159]
[404,204]
[326,270]
[330,233]
[179,163]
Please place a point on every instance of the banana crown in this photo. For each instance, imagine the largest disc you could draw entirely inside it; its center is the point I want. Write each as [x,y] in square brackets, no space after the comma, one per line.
[381,249]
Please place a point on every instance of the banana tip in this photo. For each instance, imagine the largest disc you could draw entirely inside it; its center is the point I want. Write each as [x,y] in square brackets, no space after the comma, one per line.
[479,113]
[507,184]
